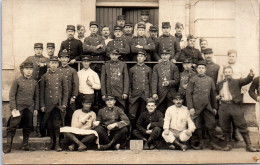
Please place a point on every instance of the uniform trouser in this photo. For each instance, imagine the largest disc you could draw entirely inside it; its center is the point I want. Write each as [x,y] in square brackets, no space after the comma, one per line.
[135,109]
[173,134]
[156,132]
[25,120]
[232,112]
[69,112]
[81,97]
[204,117]
[55,120]
[119,134]
[164,105]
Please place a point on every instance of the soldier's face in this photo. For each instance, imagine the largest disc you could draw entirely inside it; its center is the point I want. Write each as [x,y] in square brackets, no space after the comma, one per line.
[179,29]
[228,73]
[70,33]
[141,31]
[85,64]
[105,32]
[186,66]
[178,102]
[166,30]
[165,57]
[128,29]
[144,18]
[201,69]
[140,58]
[27,72]
[86,107]
[64,60]
[81,31]
[191,42]
[38,51]
[118,33]
[114,57]
[208,56]
[232,58]
[203,45]
[50,51]
[110,103]
[54,65]
[93,29]
[151,107]
[121,23]
[153,34]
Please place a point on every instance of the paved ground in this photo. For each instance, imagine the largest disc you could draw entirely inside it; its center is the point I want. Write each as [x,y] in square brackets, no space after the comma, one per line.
[129,157]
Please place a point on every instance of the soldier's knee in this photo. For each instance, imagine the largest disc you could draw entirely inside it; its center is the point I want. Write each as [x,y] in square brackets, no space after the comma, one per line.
[157,129]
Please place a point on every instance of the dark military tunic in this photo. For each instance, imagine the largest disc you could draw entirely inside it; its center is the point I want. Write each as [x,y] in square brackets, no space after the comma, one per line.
[155,56]
[115,80]
[140,82]
[128,37]
[191,53]
[170,42]
[165,71]
[185,76]
[54,92]
[147,43]
[73,47]
[254,89]
[212,70]
[122,45]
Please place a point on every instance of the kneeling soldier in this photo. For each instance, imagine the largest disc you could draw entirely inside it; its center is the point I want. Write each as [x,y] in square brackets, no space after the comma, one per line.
[149,125]
[111,122]
[230,108]
[177,118]
[24,98]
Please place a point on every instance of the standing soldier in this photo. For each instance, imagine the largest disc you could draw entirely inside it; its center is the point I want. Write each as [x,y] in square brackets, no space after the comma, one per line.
[119,43]
[230,107]
[72,79]
[50,49]
[72,46]
[81,33]
[121,21]
[145,21]
[94,45]
[211,67]
[166,40]
[202,103]
[164,81]
[190,51]
[203,45]
[153,31]
[115,80]
[105,32]
[128,31]
[141,42]
[54,99]
[182,39]
[24,100]
[140,77]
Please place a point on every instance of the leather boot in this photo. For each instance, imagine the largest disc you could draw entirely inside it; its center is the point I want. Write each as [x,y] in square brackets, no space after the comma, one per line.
[25,146]
[228,146]
[212,141]
[53,140]
[247,140]
[197,144]
[81,146]
[9,143]
[105,147]
[179,144]
[57,144]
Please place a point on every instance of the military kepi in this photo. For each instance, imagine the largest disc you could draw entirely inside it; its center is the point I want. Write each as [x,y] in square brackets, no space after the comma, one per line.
[50,45]
[54,58]
[187,60]
[207,51]
[117,28]
[166,24]
[145,12]
[166,51]
[27,65]
[178,95]
[109,97]
[129,24]
[71,27]
[38,45]
[141,25]
[115,52]
[93,23]
[63,54]
[153,29]
[201,62]
[142,52]
[85,58]
[121,17]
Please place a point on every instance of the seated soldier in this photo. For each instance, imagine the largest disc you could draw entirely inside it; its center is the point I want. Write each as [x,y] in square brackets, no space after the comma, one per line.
[149,125]
[80,132]
[111,123]
[177,117]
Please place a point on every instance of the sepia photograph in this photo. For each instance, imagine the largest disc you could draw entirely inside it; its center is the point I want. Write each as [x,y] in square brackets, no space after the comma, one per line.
[130,82]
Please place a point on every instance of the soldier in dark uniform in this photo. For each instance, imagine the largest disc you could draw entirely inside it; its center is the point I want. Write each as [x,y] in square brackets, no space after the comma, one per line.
[164,81]
[54,99]
[50,49]
[115,79]
[202,103]
[144,20]
[72,79]
[190,51]
[149,125]
[154,36]
[72,46]
[128,31]
[111,125]
[140,77]
[119,43]
[121,21]
[94,45]
[230,107]
[203,45]
[24,98]
[141,42]
[211,67]
[166,40]
[81,30]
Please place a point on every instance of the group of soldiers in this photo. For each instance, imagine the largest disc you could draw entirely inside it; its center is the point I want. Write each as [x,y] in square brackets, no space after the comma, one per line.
[108,103]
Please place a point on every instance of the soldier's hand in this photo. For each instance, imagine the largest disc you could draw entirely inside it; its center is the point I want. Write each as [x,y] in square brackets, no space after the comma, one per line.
[148,132]
[35,113]
[258,99]
[155,97]
[149,125]
[72,61]
[173,60]
[214,111]
[96,123]
[244,89]
[99,46]
[89,83]
[218,97]
[139,46]
[166,132]
[166,83]
[251,72]
[185,86]
[72,100]
[192,111]
[42,64]
[188,133]
[160,60]
[43,109]
[111,126]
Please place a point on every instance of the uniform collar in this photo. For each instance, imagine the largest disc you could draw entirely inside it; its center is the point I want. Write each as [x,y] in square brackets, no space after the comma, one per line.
[190,47]
[40,56]
[111,109]
[141,36]
[64,66]
[140,64]
[165,62]
[27,78]
[179,36]
[93,34]
[166,35]
[118,38]
[114,62]
[209,62]
[71,39]
[201,75]
[51,72]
